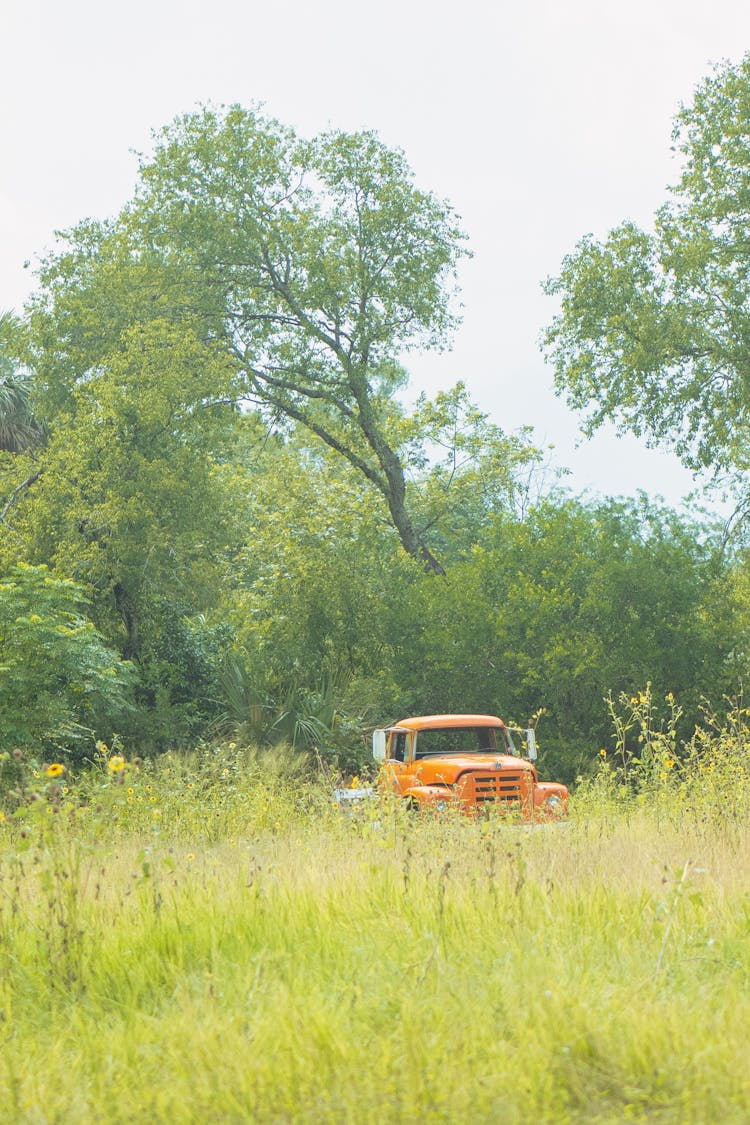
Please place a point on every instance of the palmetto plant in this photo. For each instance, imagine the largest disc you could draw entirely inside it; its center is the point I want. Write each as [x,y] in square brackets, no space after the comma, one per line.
[300,717]
[305,718]
[19,430]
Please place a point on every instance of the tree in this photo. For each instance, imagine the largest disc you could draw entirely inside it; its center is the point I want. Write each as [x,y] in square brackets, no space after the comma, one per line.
[314,266]
[466,471]
[560,608]
[654,328]
[317,584]
[131,505]
[130,498]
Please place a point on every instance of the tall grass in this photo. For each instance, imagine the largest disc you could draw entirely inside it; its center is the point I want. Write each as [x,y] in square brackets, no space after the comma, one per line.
[251,954]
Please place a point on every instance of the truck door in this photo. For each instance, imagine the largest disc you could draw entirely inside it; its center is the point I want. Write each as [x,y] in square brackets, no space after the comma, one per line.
[397,762]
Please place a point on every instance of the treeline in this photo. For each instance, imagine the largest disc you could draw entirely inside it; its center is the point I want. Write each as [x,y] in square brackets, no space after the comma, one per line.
[219,520]
[289,610]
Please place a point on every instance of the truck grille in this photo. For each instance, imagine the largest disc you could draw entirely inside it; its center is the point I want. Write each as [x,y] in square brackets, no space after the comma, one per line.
[500,787]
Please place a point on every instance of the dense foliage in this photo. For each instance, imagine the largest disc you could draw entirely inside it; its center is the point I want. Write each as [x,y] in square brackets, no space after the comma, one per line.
[59,679]
[654,327]
[247,532]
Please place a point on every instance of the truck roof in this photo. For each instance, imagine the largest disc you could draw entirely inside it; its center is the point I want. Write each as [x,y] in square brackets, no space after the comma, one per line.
[428,722]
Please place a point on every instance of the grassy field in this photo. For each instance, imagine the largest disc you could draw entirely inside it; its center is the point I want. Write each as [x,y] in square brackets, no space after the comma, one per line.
[208,940]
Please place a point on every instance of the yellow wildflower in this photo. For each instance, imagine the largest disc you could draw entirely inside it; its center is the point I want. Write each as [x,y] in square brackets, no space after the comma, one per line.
[116,763]
[55,769]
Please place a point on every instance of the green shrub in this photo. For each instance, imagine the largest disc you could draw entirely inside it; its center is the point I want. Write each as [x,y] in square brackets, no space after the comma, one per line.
[59,682]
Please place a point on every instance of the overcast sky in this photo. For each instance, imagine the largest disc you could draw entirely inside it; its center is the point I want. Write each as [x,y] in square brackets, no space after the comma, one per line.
[539,121]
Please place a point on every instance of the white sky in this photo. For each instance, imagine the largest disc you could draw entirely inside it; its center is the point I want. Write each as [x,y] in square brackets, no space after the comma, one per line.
[539,122]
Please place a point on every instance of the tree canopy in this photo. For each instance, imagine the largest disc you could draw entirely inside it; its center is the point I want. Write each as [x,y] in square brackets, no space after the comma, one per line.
[311,267]
[654,328]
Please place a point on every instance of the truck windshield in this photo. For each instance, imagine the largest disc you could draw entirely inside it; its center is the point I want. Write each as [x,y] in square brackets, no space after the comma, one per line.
[461,740]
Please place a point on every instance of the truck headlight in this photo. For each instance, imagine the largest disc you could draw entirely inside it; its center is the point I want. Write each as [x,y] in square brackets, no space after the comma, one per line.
[441,805]
[553,803]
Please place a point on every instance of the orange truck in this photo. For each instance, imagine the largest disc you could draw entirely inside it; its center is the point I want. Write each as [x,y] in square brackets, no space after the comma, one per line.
[469,762]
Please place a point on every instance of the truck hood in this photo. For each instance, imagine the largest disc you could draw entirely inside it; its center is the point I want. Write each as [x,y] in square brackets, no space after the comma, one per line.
[446,769]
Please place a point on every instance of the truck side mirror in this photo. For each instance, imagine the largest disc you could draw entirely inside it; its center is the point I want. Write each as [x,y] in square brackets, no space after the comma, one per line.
[531,743]
[379,738]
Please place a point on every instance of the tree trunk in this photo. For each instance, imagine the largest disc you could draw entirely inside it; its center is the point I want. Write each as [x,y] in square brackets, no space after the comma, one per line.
[395,496]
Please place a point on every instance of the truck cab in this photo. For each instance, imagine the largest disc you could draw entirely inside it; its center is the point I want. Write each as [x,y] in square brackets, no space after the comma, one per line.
[469,762]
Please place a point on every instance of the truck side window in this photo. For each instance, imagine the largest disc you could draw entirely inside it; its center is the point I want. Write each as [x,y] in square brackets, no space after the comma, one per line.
[398,746]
